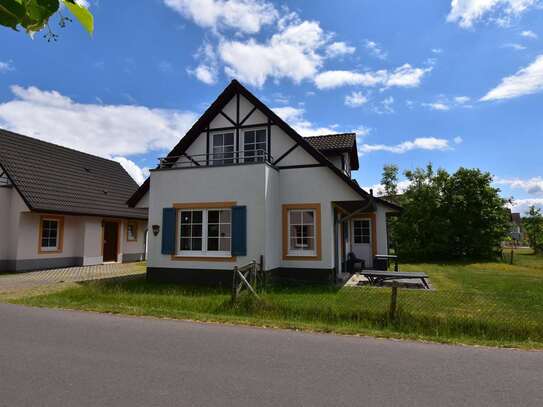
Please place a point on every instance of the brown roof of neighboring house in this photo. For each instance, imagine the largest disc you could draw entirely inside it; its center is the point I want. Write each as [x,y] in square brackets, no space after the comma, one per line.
[56,179]
[337,143]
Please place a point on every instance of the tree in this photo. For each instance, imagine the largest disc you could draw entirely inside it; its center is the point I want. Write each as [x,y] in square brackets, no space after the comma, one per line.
[533,224]
[34,15]
[389,180]
[450,216]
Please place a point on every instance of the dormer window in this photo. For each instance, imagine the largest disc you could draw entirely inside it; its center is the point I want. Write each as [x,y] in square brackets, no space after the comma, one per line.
[254,145]
[223,149]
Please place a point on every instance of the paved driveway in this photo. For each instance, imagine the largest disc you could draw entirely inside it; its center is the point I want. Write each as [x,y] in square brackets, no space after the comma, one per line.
[65,358]
[10,283]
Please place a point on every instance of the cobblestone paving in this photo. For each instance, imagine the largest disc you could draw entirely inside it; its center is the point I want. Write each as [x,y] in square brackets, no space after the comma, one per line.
[23,281]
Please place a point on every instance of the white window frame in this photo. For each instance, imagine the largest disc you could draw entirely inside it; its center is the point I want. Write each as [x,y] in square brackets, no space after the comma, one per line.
[204,252]
[302,252]
[42,228]
[369,231]
[213,158]
[255,129]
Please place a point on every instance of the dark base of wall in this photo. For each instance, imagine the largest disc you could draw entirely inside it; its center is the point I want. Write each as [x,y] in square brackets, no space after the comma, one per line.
[190,276]
[39,264]
[133,257]
[224,277]
[300,275]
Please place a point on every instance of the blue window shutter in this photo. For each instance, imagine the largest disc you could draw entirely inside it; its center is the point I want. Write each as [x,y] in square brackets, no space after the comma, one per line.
[239,231]
[168,230]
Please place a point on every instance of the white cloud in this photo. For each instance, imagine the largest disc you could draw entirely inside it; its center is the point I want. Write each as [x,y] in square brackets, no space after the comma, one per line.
[526,81]
[362,131]
[533,186]
[205,74]
[523,205]
[437,50]
[437,106]
[355,99]
[207,69]
[468,12]
[339,48]
[422,143]
[104,130]
[458,140]
[138,174]
[6,66]
[291,53]
[386,106]
[515,46]
[379,189]
[403,76]
[246,16]
[529,34]
[294,116]
[375,50]
[462,99]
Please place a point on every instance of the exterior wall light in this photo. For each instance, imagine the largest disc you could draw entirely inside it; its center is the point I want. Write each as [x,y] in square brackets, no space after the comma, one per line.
[156,229]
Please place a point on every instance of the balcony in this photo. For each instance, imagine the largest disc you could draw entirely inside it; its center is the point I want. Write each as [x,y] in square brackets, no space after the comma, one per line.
[240,157]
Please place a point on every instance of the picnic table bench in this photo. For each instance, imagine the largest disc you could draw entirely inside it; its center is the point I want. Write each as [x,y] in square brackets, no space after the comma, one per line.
[376,277]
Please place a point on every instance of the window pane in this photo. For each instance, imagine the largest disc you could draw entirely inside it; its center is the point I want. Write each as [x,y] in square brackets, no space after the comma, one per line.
[261,136]
[225,216]
[295,217]
[197,244]
[185,244]
[213,244]
[225,230]
[197,217]
[186,217]
[213,230]
[309,243]
[308,217]
[185,230]
[309,231]
[295,231]
[217,140]
[213,216]
[196,230]
[294,244]
[224,244]
[249,137]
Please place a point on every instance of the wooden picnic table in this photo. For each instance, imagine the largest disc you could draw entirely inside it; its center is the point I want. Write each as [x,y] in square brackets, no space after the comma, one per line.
[376,277]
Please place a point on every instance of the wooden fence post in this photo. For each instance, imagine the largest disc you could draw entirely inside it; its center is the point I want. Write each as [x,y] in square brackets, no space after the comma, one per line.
[393,301]
[234,285]
[512,254]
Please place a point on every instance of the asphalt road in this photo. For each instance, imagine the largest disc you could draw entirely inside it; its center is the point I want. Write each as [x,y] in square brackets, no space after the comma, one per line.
[61,358]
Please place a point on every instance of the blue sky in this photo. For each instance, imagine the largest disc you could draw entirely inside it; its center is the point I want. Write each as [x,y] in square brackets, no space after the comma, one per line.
[455,83]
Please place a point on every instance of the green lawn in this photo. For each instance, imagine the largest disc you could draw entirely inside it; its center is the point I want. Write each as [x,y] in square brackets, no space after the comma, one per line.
[473,303]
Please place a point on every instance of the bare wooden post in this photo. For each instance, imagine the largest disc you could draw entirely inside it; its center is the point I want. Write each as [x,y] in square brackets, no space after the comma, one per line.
[234,284]
[393,301]
[396,264]
[512,254]
[262,274]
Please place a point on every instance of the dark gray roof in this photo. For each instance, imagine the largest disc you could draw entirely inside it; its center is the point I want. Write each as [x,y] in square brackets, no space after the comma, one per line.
[333,142]
[51,178]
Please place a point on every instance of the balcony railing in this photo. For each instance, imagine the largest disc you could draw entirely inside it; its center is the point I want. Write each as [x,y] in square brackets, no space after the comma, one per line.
[216,159]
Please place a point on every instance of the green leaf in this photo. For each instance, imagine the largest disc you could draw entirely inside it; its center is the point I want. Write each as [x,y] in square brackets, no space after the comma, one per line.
[11,11]
[83,15]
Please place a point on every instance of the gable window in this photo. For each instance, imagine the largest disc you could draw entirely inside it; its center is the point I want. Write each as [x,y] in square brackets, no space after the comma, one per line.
[254,145]
[301,231]
[132,231]
[361,231]
[205,232]
[223,149]
[51,230]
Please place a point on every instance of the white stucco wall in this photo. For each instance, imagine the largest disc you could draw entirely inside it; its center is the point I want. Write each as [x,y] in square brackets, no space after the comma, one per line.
[243,184]
[134,247]
[5,211]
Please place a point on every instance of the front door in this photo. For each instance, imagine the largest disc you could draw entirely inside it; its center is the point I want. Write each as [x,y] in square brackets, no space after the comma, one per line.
[361,240]
[111,238]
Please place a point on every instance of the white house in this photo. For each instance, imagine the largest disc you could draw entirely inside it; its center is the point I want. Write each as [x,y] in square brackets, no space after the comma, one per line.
[242,184]
[60,207]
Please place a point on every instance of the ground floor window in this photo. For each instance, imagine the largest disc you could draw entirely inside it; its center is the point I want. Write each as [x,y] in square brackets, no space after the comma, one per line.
[132,231]
[301,231]
[361,231]
[205,232]
[51,230]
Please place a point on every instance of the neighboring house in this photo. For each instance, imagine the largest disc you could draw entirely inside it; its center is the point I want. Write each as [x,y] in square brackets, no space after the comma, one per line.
[517,230]
[60,207]
[242,184]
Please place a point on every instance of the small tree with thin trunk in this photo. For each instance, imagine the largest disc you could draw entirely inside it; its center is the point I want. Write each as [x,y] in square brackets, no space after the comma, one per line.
[533,224]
